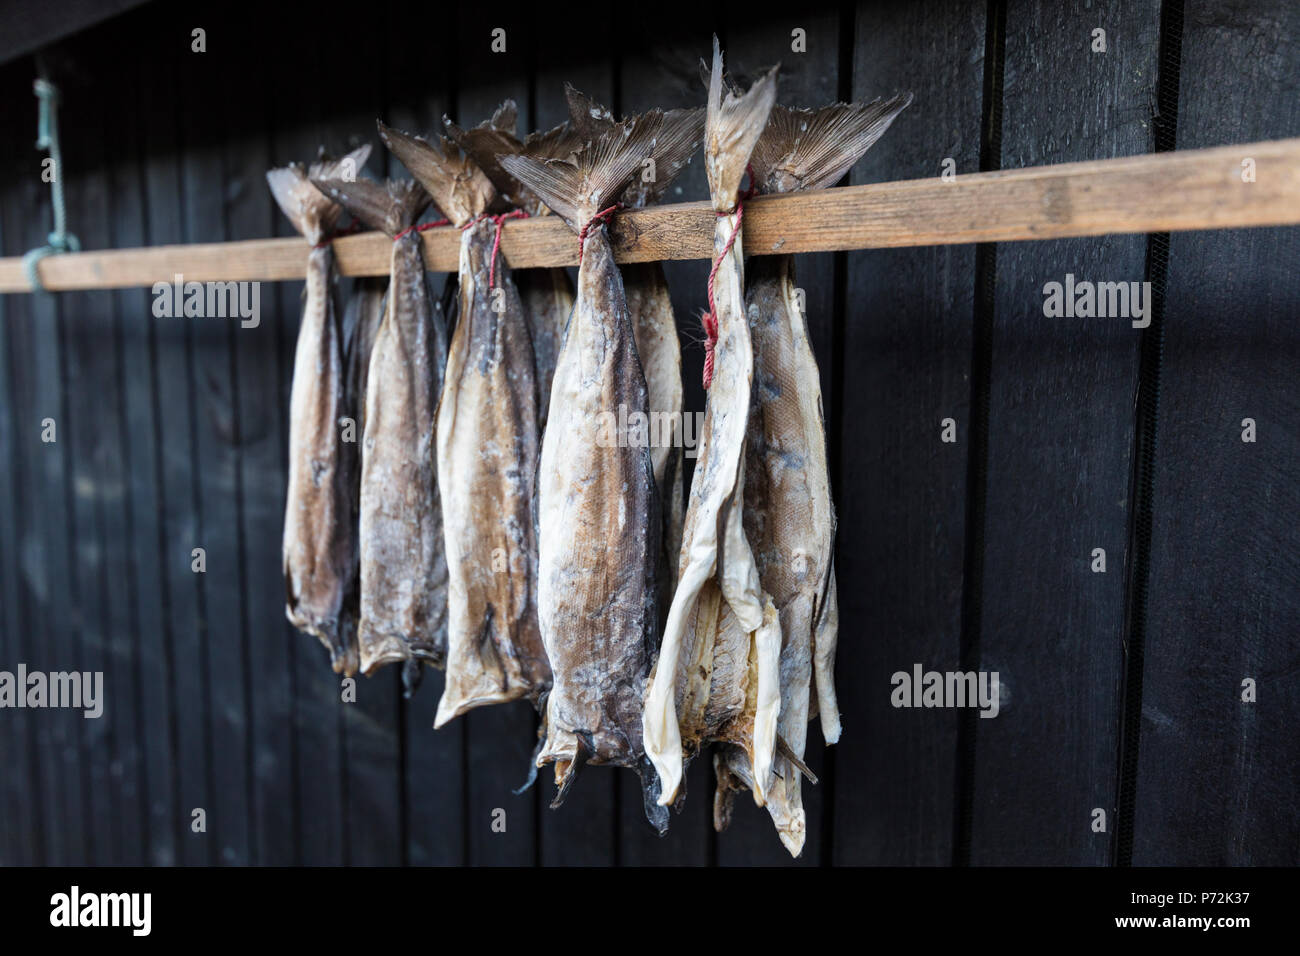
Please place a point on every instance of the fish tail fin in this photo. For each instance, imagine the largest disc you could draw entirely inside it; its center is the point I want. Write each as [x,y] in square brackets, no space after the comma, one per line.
[733,125]
[678,139]
[812,149]
[577,187]
[347,166]
[492,139]
[391,207]
[588,118]
[458,186]
[312,213]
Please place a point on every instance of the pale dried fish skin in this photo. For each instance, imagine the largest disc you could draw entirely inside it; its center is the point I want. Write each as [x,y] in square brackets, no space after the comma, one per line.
[403,577]
[487,449]
[319,545]
[403,566]
[715,552]
[598,509]
[598,501]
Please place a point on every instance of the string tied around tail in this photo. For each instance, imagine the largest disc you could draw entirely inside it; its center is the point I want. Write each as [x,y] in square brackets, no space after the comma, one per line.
[499,220]
[422,227]
[603,217]
[709,320]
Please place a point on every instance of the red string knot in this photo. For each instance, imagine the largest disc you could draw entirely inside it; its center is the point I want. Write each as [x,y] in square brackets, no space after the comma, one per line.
[709,320]
[603,217]
[423,227]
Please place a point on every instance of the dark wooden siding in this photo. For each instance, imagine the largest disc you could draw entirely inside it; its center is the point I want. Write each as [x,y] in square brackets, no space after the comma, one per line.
[1122,689]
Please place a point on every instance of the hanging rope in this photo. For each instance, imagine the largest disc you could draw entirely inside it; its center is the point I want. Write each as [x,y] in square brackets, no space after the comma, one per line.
[709,320]
[601,218]
[47,138]
[498,220]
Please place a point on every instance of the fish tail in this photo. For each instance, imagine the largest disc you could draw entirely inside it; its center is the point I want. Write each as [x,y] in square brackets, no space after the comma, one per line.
[732,127]
[679,137]
[812,149]
[578,187]
[458,186]
[494,138]
[312,213]
[392,207]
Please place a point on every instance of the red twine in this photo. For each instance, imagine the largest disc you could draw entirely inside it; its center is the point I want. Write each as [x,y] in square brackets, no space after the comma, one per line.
[710,318]
[601,217]
[499,220]
[423,227]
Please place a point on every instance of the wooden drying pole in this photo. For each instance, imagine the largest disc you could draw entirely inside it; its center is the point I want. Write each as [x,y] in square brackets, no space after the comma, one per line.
[1164,192]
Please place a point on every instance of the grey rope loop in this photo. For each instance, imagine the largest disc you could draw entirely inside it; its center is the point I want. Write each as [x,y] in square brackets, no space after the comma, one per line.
[47,138]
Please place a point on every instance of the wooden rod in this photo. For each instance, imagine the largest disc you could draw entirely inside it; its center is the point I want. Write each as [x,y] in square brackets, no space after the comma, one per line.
[1165,192]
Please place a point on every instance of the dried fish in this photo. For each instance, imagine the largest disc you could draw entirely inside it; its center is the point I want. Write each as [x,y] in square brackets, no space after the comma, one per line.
[598,514]
[716,677]
[650,305]
[487,448]
[403,570]
[547,294]
[789,518]
[362,316]
[320,543]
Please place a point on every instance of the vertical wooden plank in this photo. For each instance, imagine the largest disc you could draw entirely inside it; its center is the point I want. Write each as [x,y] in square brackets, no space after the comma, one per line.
[20,783]
[176,436]
[904,361]
[261,440]
[1060,433]
[94,461]
[48,612]
[372,725]
[118,577]
[418,93]
[316,737]
[582,832]
[500,739]
[807,79]
[664,70]
[138,424]
[1217,776]
[217,485]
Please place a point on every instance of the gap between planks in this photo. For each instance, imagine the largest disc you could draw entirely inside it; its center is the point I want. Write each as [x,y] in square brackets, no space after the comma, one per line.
[1165,192]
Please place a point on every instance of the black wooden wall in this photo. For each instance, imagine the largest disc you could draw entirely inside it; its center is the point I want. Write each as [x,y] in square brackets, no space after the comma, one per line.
[1121,690]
